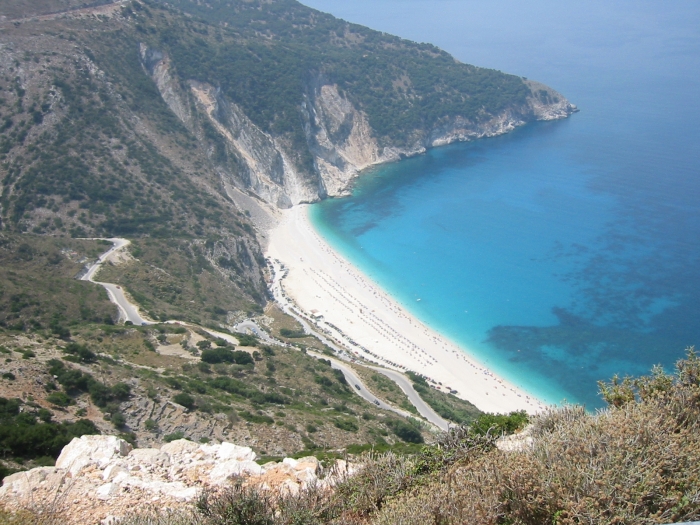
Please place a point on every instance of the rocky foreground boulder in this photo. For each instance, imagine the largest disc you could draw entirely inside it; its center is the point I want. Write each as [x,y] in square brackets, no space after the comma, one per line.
[98,478]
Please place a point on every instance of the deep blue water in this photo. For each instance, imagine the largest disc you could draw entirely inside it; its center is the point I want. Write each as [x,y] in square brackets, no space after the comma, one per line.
[567,251]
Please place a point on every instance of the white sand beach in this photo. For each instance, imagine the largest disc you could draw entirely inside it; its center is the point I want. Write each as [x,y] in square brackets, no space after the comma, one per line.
[348,305]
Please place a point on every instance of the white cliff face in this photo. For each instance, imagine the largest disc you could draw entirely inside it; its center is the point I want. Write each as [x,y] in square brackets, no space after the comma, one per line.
[263,166]
[339,136]
[158,66]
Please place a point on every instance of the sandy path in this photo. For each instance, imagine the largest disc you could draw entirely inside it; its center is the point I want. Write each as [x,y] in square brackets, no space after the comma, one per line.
[354,309]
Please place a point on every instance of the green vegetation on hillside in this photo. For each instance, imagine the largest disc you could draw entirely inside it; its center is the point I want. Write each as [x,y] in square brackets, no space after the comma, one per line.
[89,148]
[112,181]
[447,405]
[290,402]
[27,433]
[180,278]
[403,86]
[635,463]
[38,289]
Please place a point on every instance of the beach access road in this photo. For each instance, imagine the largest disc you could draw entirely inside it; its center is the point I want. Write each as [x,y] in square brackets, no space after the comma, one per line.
[130,312]
[401,380]
[357,386]
[256,331]
[423,408]
[354,381]
[127,310]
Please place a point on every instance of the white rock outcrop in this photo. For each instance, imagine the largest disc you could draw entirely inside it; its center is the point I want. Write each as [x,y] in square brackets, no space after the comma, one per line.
[89,450]
[339,137]
[105,470]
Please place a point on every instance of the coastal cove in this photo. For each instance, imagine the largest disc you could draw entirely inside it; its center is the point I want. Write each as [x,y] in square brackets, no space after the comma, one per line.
[354,310]
[563,253]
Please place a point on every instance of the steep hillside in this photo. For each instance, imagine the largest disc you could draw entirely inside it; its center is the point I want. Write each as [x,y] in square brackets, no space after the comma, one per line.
[89,152]
[170,123]
[174,124]
[320,98]
[272,98]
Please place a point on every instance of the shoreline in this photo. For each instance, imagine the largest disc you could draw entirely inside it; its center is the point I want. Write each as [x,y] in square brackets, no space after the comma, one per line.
[350,307]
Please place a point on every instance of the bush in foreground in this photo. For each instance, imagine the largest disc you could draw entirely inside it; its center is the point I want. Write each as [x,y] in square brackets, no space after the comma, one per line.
[637,462]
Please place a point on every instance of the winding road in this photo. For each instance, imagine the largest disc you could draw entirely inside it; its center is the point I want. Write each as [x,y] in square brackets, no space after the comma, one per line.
[356,384]
[401,380]
[128,311]
[405,384]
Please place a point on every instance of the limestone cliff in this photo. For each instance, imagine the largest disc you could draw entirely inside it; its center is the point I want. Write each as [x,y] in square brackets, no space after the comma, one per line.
[158,66]
[338,135]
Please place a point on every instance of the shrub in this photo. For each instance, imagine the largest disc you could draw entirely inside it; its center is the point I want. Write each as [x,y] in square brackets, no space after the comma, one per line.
[346,424]
[99,393]
[59,399]
[173,437]
[121,391]
[417,379]
[217,355]
[242,358]
[81,352]
[152,393]
[256,418]
[247,340]
[60,331]
[381,477]
[21,436]
[118,420]
[185,400]
[238,505]
[405,431]
[223,355]
[339,376]
[292,334]
[497,424]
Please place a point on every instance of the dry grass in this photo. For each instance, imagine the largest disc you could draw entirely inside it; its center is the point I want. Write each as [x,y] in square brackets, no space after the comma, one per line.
[637,462]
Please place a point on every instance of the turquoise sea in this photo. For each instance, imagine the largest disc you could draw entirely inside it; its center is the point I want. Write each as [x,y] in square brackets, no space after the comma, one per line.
[567,251]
